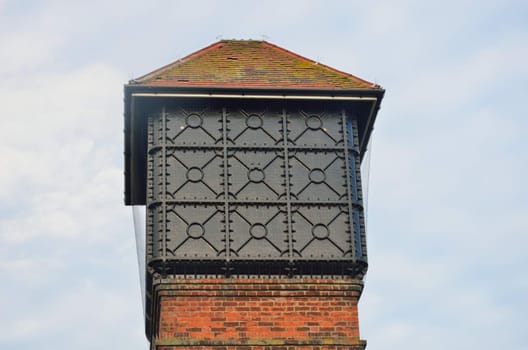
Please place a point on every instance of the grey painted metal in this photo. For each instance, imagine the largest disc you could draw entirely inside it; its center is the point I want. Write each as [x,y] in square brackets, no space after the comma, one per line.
[252,188]
[350,179]
[287,182]
[164,182]
[226,185]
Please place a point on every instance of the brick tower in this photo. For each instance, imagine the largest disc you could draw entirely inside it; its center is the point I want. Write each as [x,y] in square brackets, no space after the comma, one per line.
[247,158]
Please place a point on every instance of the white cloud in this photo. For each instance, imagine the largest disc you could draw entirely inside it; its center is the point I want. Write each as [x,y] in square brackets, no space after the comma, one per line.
[89,315]
[25,51]
[59,151]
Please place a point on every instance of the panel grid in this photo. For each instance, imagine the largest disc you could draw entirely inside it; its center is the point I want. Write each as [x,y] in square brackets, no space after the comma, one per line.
[248,184]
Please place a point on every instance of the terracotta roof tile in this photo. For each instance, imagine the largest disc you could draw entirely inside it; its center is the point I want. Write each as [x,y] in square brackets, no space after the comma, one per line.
[251,64]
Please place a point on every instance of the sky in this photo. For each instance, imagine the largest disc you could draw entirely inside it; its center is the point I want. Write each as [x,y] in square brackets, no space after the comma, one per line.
[447,199]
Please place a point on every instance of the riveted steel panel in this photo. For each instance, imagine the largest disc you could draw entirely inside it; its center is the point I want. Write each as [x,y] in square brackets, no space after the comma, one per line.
[315,128]
[254,127]
[258,231]
[321,232]
[317,175]
[258,185]
[256,175]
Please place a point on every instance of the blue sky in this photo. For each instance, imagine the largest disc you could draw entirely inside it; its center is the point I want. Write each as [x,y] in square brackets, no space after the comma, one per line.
[448,208]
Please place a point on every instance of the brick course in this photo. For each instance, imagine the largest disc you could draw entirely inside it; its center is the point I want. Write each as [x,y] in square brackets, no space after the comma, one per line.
[256,313]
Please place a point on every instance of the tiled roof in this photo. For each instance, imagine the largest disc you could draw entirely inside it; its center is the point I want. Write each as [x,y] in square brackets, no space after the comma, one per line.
[250,64]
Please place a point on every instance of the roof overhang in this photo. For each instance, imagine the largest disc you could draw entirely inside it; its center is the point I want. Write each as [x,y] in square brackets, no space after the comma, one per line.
[140,99]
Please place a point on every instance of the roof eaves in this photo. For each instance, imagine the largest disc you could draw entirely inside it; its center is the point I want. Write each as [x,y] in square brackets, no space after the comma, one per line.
[138,87]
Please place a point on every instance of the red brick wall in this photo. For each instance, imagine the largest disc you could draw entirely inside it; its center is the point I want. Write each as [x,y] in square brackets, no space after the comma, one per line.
[257,313]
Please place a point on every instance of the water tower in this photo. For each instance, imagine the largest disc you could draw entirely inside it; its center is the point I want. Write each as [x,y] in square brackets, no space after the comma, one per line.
[247,159]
